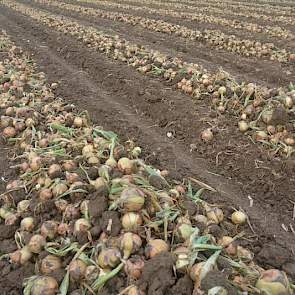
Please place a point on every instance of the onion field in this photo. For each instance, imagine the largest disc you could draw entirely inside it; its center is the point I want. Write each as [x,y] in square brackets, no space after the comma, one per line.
[147,147]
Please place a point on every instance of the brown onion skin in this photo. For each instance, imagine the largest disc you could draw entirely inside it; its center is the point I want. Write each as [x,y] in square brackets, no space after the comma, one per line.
[50,264]
[37,243]
[155,247]
[77,269]
[49,229]
[44,285]
[134,267]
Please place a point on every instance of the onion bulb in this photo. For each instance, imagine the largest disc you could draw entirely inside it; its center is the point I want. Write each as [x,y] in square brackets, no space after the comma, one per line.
[50,264]
[261,135]
[130,243]
[243,126]
[78,122]
[273,282]
[84,207]
[21,256]
[71,212]
[217,291]
[126,165]
[27,224]
[59,189]
[184,231]
[77,269]
[93,160]
[49,229]
[244,254]
[266,116]
[81,225]
[36,244]
[44,285]
[99,183]
[207,135]
[288,102]
[91,273]
[229,245]
[238,217]
[289,141]
[54,171]
[136,152]
[87,149]
[109,258]
[43,143]
[201,219]
[182,261]
[11,218]
[131,221]
[72,177]
[61,205]
[222,90]
[195,272]
[111,162]
[215,215]
[69,165]
[135,291]
[23,206]
[45,194]
[35,163]
[9,132]
[133,267]
[155,247]
[132,199]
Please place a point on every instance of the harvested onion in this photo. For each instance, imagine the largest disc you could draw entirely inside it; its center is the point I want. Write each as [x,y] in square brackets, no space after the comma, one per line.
[27,224]
[109,258]
[215,215]
[81,225]
[9,132]
[49,229]
[155,247]
[207,135]
[273,282]
[131,221]
[130,243]
[50,264]
[132,199]
[44,285]
[21,256]
[239,217]
[36,243]
[217,291]
[77,269]
[126,165]
[133,267]
[45,194]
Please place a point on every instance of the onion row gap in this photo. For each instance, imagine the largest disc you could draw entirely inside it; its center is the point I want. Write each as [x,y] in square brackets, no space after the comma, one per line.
[249,7]
[86,209]
[287,20]
[265,115]
[202,17]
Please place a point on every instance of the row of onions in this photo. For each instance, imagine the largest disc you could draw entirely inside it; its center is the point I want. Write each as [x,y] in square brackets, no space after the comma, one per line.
[265,114]
[71,175]
[287,20]
[271,2]
[235,5]
[201,17]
